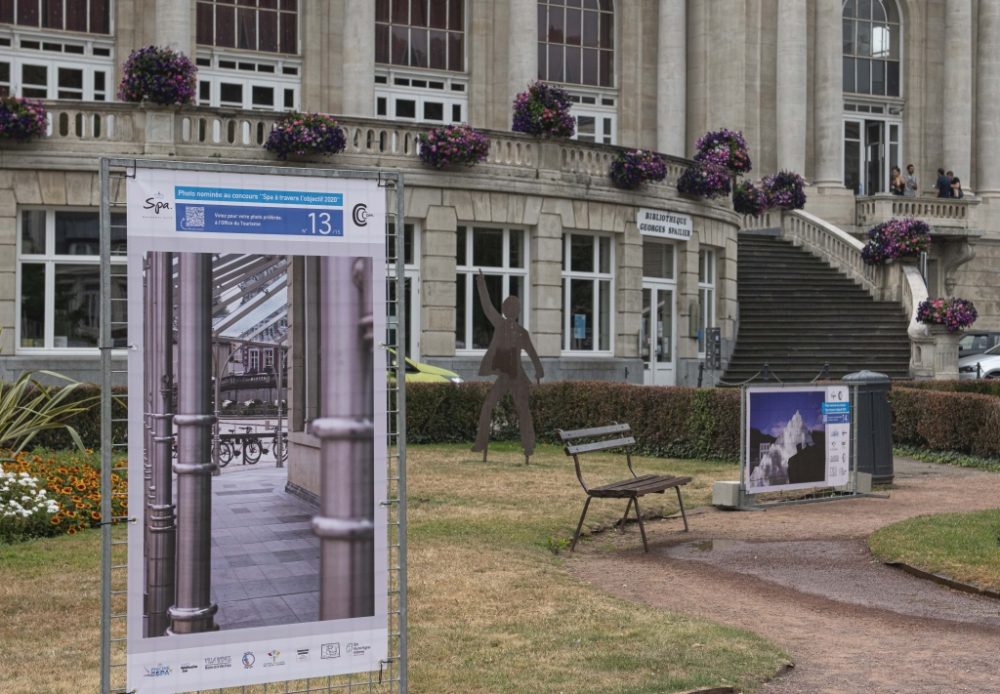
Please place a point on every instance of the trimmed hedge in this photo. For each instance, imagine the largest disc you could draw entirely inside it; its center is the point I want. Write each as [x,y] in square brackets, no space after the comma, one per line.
[946,421]
[674,422]
[982,386]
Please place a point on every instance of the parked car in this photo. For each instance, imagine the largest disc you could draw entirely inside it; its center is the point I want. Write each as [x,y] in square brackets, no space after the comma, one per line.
[418,372]
[985,365]
[977,342]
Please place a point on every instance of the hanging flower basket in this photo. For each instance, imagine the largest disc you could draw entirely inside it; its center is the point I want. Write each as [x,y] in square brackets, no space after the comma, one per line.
[704,181]
[21,119]
[305,133]
[452,145]
[633,167]
[158,75]
[725,148]
[785,190]
[899,237]
[749,199]
[543,110]
[953,314]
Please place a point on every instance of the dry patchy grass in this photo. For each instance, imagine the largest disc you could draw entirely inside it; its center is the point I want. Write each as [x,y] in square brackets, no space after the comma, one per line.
[492,608]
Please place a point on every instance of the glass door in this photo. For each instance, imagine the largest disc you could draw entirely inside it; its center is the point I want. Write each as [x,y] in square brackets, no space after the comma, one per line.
[871,149]
[656,334]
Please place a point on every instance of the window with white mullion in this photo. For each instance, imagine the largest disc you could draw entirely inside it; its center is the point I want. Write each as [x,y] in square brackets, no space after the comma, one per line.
[411,287]
[501,255]
[588,286]
[41,66]
[706,295]
[58,279]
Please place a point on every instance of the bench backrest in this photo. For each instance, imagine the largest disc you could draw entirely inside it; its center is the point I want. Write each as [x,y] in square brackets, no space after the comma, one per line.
[576,442]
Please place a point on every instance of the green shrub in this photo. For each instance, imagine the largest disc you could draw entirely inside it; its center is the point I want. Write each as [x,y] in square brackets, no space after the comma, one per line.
[982,386]
[946,421]
[88,422]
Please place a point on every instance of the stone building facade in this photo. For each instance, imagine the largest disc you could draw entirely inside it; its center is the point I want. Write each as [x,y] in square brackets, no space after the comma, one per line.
[839,91]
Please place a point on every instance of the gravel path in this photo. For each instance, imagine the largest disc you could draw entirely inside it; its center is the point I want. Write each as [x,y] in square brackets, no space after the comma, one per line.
[802,577]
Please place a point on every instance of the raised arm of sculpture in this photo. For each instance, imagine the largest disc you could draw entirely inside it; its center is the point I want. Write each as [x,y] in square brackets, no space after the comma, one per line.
[489,309]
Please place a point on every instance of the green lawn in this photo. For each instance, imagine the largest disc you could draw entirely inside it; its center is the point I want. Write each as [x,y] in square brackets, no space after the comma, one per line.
[962,546]
[492,607]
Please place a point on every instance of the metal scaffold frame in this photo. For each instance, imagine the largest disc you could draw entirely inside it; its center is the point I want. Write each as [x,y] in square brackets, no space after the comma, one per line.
[168,599]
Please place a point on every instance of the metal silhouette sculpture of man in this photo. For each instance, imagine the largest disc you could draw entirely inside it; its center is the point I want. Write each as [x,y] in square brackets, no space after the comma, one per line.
[503,359]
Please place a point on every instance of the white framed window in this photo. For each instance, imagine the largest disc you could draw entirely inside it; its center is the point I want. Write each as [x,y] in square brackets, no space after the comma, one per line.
[596,115]
[250,81]
[872,47]
[502,255]
[420,61]
[45,65]
[268,359]
[58,279]
[421,97]
[411,285]
[253,360]
[706,295]
[588,286]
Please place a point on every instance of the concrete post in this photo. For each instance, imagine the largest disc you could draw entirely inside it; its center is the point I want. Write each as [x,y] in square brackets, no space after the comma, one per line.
[988,100]
[160,578]
[958,89]
[359,59]
[791,84]
[522,48]
[193,610]
[671,76]
[174,28]
[345,524]
[829,95]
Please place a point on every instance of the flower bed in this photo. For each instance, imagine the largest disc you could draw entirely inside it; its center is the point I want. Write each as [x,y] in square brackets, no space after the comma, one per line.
[785,190]
[159,75]
[21,119]
[725,148]
[953,314]
[632,167]
[452,145]
[895,238]
[305,133]
[25,509]
[704,180]
[543,110]
[749,199]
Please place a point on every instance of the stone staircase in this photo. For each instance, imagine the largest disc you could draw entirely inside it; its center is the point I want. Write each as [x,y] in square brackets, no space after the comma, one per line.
[797,313]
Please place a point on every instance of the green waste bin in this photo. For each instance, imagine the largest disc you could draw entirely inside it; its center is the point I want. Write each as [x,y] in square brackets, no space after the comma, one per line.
[873,421]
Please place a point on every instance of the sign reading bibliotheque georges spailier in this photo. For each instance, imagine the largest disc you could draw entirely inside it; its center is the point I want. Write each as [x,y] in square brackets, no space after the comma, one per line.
[227,586]
[664,224]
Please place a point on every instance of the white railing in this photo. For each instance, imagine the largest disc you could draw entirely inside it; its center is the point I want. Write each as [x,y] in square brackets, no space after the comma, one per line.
[914,290]
[74,121]
[835,246]
[934,211]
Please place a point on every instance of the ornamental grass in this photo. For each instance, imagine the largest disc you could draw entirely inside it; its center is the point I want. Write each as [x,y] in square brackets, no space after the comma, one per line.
[452,145]
[158,75]
[300,133]
[21,119]
[633,167]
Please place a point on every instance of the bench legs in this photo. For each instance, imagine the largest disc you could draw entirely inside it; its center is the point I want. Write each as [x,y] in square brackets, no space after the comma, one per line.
[680,502]
[576,536]
[642,528]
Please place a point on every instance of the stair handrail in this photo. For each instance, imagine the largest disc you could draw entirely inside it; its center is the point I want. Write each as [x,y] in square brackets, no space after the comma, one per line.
[837,247]
[914,292]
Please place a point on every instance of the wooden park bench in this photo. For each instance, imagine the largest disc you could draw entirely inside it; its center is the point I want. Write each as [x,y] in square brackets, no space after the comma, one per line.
[580,441]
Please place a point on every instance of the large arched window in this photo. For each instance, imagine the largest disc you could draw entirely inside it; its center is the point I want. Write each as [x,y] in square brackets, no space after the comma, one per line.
[872,42]
[576,47]
[576,42]
[420,60]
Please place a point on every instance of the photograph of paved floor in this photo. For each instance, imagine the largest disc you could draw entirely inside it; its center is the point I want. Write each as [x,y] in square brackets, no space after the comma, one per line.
[265,558]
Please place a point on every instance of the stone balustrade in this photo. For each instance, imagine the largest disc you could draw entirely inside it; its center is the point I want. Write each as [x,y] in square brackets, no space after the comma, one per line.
[193,133]
[937,212]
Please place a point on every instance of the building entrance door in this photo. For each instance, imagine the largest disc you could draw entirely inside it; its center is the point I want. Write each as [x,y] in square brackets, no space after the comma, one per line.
[656,333]
[871,149]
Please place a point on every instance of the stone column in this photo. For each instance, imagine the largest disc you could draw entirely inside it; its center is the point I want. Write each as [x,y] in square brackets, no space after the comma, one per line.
[671,78]
[359,58]
[791,84]
[546,285]
[522,47]
[988,100]
[437,264]
[174,26]
[829,95]
[958,88]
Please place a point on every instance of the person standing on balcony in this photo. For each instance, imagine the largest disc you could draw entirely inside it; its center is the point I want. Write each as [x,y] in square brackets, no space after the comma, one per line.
[943,184]
[956,188]
[897,186]
[911,182]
